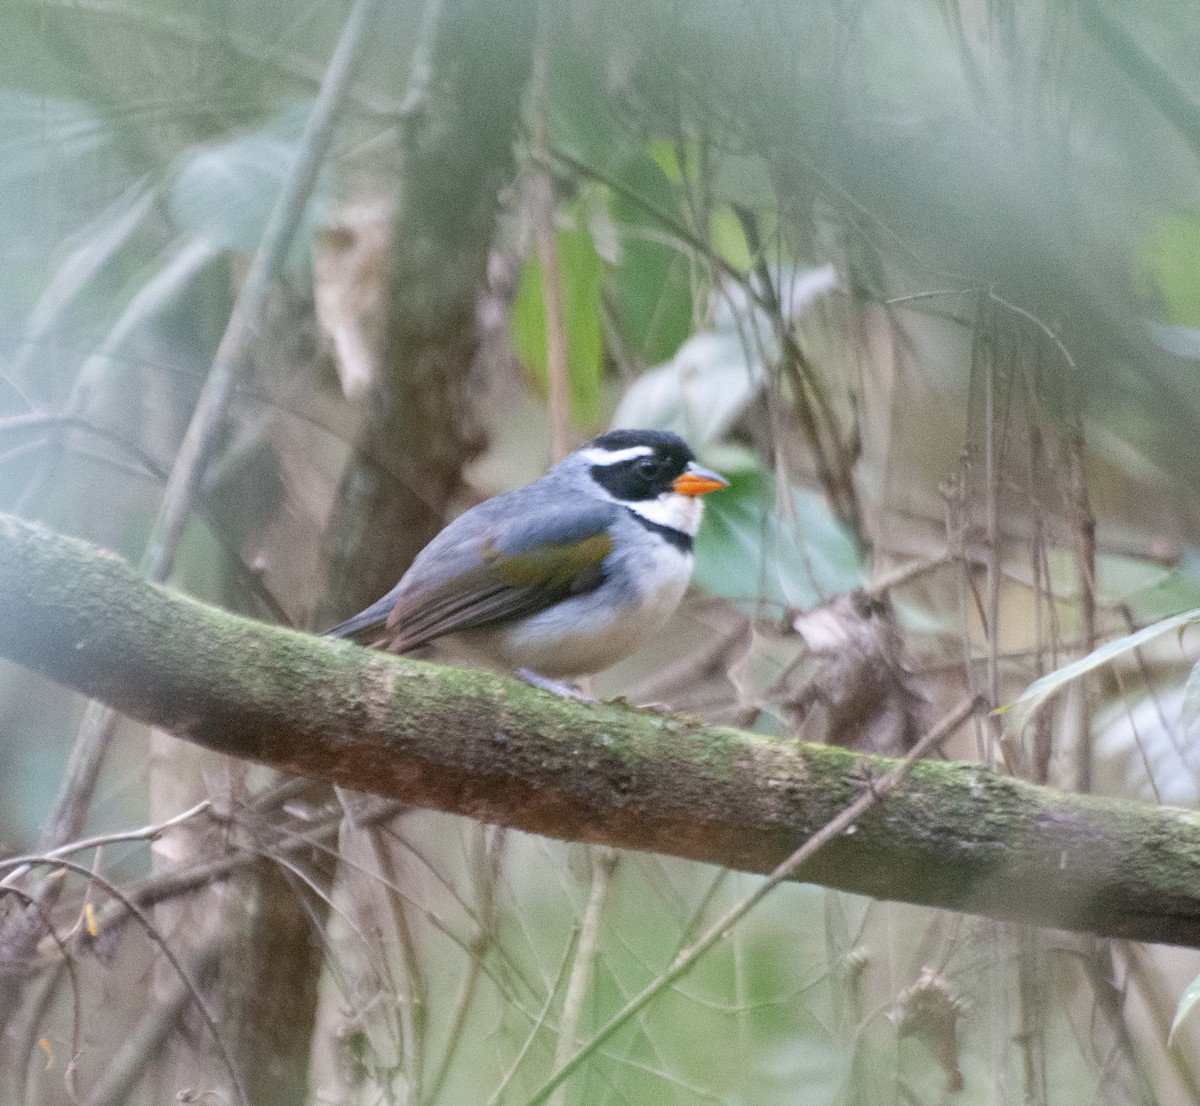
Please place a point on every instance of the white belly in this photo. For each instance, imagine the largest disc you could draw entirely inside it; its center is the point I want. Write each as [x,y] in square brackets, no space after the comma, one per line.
[589,633]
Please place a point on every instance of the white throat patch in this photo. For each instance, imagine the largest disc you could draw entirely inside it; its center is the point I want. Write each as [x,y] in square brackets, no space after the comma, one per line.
[679,512]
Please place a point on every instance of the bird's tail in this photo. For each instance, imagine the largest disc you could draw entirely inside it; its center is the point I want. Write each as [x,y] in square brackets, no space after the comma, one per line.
[365,626]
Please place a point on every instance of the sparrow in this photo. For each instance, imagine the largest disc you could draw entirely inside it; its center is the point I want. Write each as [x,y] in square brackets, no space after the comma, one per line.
[560,578]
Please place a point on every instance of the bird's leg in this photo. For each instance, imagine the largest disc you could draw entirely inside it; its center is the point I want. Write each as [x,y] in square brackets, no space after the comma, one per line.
[563,691]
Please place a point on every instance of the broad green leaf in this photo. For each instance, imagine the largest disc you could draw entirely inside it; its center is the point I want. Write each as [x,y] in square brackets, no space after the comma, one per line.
[1018,713]
[727,238]
[581,271]
[1167,267]
[756,543]
[652,282]
[666,157]
[1187,1002]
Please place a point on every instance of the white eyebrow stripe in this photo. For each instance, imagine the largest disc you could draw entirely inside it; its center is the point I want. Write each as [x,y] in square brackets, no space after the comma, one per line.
[615,456]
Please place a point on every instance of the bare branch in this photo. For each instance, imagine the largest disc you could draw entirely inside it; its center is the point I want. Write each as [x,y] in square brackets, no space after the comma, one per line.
[181,972]
[146,833]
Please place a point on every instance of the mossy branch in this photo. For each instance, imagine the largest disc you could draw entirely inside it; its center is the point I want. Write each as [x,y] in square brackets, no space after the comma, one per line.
[955,836]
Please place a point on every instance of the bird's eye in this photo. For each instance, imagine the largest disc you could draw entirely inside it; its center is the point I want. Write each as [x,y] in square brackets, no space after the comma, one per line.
[648,467]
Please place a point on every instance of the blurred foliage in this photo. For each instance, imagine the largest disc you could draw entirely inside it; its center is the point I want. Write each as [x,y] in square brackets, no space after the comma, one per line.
[939,259]
[223,193]
[753,524]
[580,284]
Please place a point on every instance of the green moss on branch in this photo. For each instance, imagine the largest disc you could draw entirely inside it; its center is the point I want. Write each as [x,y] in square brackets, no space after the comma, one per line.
[955,836]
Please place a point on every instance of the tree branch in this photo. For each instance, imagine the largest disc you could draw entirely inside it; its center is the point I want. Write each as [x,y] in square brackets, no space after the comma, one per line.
[955,836]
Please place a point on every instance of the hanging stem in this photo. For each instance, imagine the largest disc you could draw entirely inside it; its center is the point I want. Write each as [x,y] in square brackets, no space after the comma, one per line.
[558,398]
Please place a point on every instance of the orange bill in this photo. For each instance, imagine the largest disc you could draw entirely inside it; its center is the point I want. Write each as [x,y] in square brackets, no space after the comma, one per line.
[695,480]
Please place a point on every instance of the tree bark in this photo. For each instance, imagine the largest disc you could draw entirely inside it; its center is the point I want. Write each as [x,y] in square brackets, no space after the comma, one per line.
[419,427]
[955,836]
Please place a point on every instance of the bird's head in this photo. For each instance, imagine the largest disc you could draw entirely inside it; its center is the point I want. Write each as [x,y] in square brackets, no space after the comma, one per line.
[652,472]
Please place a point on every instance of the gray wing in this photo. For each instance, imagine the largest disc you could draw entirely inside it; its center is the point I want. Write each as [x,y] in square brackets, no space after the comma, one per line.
[511,556]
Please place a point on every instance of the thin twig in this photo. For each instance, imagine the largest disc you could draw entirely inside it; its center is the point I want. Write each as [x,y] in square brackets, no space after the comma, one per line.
[687,237]
[146,1040]
[443,927]
[420,73]
[1041,324]
[991,480]
[37,908]
[905,574]
[246,576]
[1008,305]
[95,734]
[809,400]
[1083,531]
[569,956]
[148,301]
[558,396]
[604,860]
[98,242]
[231,359]
[182,972]
[413,1004]
[833,828]
[491,843]
[146,833]
[937,293]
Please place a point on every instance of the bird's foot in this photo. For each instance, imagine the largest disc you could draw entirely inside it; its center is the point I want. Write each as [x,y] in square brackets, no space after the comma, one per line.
[555,687]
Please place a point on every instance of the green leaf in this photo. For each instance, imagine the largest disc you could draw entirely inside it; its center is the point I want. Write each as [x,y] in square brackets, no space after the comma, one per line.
[1187,1001]
[652,283]
[581,272]
[1166,269]
[1018,713]
[727,238]
[666,156]
[705,387]
[757,543]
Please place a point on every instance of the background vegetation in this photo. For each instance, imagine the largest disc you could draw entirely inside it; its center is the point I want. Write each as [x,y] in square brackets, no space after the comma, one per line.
[285,285]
